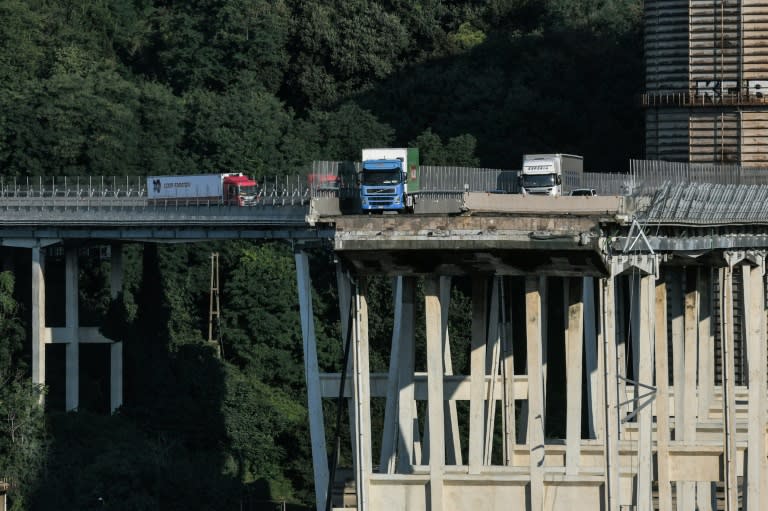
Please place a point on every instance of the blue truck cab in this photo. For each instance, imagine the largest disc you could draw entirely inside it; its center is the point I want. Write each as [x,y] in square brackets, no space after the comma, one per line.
[389,179]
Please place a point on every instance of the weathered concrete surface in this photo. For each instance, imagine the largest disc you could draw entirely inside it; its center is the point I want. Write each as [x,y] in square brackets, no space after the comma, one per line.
[479,202]
[509,245]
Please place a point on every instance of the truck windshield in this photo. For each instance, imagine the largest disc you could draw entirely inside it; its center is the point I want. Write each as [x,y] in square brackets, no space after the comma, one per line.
[381,178]
[247,191]
[534,180]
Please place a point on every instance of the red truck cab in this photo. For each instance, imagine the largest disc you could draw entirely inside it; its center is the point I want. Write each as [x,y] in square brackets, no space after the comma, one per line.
[239,190]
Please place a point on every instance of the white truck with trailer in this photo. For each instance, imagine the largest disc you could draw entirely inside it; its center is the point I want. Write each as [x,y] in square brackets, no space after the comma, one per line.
[551,174]
[232,189]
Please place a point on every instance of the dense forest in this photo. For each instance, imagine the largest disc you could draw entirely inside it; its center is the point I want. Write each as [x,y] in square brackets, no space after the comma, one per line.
[138,87]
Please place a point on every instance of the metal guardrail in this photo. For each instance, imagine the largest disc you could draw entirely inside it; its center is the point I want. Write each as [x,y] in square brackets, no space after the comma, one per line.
[339,179]
[336,179]
[697,98]
[130,192]
[647,176]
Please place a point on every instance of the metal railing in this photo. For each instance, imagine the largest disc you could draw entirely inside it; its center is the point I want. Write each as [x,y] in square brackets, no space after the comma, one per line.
[131,191]
[698,98]
[339,179]
[648,176]
[606,183]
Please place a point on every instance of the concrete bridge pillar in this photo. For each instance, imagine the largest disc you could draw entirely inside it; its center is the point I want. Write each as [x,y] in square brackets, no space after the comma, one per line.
[38,316]
[116,348]
[72,334]
[71,295]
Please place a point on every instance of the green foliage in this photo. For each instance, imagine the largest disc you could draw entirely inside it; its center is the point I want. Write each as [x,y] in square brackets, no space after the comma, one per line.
[340,134]
[11,329]
[262,424]
[102,462]
[85,123]
[21,43]
[252,38]
[458,151]
[23,437]
[467,37]
[341,48]
[244,130]
[161,117]
[261,321]
[608,17]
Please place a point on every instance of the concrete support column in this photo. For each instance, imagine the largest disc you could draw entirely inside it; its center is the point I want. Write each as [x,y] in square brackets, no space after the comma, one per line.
[646,298]
[361,385]
[685,425]
[477,382]
[595,407]
[116,376]
[453,454]
[610,383]
[390,431]
[662,397]
[435,402]
[729,398]
[754,299]
[71,298]
[677,321]
[408,425]
[508,375]
[38,317]
[492,354]
[344,286]
[116,270]
[116,349]
[536,392]
[312,375]
[706,363]
[706,342]
[622,329]
[574,341]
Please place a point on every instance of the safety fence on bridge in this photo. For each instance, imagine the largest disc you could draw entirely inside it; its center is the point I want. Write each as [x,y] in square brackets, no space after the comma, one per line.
[339,179]
[647,176]
[331,178]
[130,192]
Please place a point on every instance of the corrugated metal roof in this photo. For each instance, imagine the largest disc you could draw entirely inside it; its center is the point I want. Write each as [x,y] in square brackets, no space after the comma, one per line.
[708,204]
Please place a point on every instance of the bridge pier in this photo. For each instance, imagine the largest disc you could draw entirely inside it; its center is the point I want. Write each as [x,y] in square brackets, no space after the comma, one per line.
[38,316]
[670,346]
[116,347]
[72,339]
[72,334]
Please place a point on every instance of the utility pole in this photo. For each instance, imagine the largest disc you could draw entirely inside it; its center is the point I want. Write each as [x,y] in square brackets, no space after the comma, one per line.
[214,311]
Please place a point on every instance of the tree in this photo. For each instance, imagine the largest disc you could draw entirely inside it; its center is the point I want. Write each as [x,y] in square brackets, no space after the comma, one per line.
[339,135]
[458,151]
[21,43]
[264,426]
[23,438]
[339,48]
[80,121]
[245,130]
[261,322]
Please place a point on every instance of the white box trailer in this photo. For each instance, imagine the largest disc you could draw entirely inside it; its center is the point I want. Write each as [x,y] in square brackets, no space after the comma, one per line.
[186,187]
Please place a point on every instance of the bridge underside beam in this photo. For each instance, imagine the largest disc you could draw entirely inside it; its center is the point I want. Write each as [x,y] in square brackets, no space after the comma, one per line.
[502,245]
[454,262]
